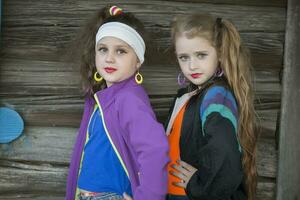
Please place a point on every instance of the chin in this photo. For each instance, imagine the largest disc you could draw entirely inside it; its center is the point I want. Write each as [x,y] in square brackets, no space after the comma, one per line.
[195,82]
[198,83]
[109,78]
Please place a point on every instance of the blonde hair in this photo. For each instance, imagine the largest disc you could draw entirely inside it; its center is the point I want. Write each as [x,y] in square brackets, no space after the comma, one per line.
[236,64]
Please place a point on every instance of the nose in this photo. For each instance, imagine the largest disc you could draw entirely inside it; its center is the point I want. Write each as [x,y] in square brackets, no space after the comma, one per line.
[192,64]
[109,57]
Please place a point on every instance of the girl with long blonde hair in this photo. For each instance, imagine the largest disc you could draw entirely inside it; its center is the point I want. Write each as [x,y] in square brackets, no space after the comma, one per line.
[211,124]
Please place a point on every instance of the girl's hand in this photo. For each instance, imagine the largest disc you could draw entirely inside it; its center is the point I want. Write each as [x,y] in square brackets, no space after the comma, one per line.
[126,196]
[184,172]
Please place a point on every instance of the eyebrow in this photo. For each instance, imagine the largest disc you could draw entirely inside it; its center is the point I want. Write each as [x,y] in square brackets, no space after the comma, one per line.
[204,51]
[122,46]
[180,53]
[196,52]
[117,46]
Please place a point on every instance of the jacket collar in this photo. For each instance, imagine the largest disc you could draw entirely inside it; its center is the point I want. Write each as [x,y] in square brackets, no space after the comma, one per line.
[107,95]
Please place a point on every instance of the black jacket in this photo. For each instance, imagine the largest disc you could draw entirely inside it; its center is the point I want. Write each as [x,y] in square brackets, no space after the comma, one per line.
[215,154]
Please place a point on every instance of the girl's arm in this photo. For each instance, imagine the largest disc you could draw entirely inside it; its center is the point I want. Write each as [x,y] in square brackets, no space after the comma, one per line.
[148,139]
[220,170]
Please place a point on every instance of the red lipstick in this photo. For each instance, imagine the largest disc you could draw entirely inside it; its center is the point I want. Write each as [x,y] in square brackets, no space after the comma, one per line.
[110,69]
[196,75]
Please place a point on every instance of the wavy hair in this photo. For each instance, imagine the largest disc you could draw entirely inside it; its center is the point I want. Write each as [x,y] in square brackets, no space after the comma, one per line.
[236,64]
[84,45]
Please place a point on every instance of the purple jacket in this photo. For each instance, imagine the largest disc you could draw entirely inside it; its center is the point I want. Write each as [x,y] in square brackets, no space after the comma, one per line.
[138,139]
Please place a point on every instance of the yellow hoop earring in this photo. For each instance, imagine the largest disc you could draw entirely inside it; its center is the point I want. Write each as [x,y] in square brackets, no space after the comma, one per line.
[97,77]
[138,78]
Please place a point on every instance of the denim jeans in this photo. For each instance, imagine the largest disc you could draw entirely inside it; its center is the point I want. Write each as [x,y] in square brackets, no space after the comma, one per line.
[176,197]
[102,196]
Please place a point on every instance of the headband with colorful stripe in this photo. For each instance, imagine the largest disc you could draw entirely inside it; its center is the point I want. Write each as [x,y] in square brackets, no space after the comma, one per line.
[115,10]
[125,33]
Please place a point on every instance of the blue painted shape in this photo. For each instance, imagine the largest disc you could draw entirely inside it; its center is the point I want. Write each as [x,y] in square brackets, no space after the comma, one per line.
[11,125]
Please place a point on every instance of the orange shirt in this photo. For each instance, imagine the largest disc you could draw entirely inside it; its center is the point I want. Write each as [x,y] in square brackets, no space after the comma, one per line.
[174,153]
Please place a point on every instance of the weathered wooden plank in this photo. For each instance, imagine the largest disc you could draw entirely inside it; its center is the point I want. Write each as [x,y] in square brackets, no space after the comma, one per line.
[289,148]
[24,171]
[65,110]
[51,77]
[18,13]
[49,94]
[32,196]
[266,48]
[50,43]
[28,181]
[57,114]
[266,158]
[266,122]
[266,190]
[53,145]
[277,3]
[18,177]
[41,144]
[0,19]
[54,100]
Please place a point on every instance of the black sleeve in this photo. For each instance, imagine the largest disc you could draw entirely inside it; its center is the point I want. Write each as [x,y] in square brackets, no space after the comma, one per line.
[219,169]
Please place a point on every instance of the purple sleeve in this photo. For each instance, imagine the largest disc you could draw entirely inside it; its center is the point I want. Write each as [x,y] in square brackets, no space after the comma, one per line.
[150,144]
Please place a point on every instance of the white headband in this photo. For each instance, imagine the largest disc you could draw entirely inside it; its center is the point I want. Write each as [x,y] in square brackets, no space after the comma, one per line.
[125,33]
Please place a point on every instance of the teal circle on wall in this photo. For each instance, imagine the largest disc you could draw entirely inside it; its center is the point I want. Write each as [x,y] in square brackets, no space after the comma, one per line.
[11,125]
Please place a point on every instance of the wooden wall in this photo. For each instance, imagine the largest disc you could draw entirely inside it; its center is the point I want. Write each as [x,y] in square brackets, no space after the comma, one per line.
[288,177]
[37,81]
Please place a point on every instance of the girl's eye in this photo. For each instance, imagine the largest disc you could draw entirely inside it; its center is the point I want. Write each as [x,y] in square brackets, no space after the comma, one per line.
[121,51]
[102,49]
[183,58]
[201,55]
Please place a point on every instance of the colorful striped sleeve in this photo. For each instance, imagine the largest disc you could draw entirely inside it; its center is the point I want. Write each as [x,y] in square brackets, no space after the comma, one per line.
[220,100]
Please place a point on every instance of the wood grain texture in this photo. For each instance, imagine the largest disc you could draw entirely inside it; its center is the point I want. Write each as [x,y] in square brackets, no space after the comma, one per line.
[41,156]
[289,154]
[39,82]
[49,93]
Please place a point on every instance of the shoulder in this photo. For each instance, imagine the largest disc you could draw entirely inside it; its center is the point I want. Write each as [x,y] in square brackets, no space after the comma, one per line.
[219,100]
[133,96]
[219,96]
[219,91]
[133,105]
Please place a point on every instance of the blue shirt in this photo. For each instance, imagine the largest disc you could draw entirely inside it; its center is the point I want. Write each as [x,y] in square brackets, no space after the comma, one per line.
[101,170]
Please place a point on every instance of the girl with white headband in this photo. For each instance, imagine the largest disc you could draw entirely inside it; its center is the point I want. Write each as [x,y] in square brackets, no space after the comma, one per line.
[121,151]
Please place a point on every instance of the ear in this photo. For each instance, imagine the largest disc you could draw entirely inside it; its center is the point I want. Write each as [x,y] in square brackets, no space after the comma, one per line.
[138,65]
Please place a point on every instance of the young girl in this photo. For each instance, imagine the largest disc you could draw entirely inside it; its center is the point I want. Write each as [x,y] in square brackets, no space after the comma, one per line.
[211,126]
[121,150]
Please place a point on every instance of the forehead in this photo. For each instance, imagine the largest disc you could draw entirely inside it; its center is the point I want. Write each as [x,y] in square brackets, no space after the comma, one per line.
[112,41]
[197,43]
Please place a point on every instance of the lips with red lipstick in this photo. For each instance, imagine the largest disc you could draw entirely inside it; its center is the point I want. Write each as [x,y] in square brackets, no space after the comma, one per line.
[196,75]
[110,69]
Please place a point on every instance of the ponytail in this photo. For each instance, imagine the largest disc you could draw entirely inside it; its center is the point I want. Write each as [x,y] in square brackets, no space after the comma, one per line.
[235,61]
